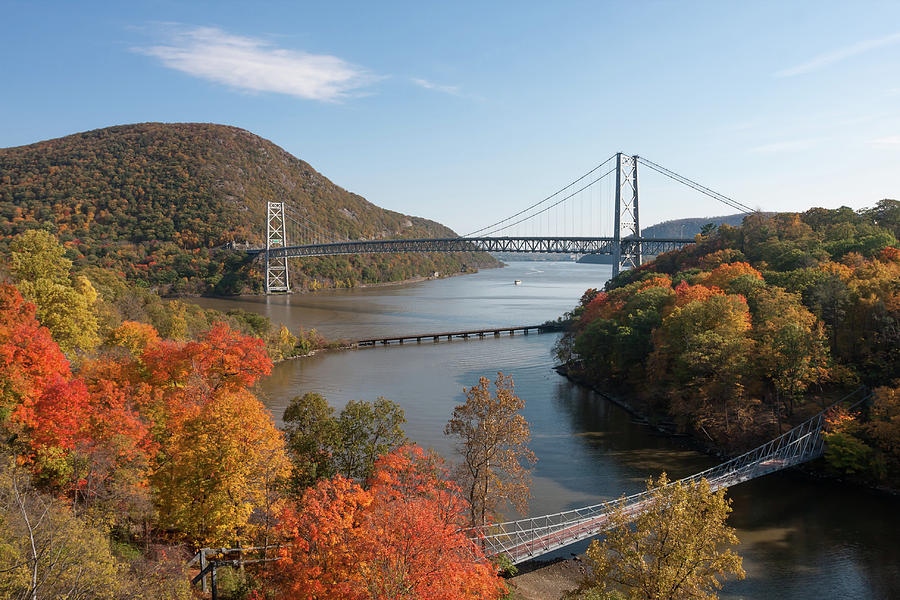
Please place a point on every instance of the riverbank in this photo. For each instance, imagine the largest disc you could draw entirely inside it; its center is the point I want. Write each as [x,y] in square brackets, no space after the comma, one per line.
[645,418]
[548,580]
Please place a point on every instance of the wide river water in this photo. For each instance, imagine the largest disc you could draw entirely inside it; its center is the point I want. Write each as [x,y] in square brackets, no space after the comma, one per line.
[799,538]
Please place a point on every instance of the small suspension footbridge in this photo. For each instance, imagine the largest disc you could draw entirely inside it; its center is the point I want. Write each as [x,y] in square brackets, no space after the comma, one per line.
[598,213]
[532,537]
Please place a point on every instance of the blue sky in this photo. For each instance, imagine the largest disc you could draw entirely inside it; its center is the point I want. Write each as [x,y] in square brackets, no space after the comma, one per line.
[465,112]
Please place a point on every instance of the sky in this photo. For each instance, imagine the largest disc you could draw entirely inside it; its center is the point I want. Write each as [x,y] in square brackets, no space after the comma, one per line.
[465,112]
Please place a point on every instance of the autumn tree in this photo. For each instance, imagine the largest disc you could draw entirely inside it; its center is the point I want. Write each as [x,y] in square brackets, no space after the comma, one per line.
[883,429]
[47,552]
[700,357]
[220,466]
[65,305]
[676,548]
[492,439]
[403,537]
[29,358]
[792,351]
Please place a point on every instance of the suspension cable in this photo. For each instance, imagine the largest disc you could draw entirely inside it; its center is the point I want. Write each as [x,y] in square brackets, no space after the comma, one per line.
[536,204]
[557,203]
[699,187]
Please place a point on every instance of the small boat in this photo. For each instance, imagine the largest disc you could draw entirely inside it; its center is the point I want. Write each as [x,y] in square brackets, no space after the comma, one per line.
[518,282]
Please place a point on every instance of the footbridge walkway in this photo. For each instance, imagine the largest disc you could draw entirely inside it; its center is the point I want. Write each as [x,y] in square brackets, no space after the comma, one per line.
[529,538]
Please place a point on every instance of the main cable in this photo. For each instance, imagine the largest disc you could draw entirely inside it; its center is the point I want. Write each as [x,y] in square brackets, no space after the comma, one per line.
[536,204]
[557,203]
[699,187]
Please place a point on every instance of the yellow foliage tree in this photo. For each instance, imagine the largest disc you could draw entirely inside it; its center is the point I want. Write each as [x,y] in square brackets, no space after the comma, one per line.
[226,463]
[493,438]
[677,548]
[65,306]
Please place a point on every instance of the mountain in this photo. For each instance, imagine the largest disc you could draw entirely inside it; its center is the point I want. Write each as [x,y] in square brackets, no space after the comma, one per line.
[159,202]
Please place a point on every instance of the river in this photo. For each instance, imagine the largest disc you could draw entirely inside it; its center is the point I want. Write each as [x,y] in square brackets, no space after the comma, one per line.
[800,538]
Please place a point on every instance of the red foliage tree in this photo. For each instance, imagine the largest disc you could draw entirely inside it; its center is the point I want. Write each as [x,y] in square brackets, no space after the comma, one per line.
[401,538]
[30,360]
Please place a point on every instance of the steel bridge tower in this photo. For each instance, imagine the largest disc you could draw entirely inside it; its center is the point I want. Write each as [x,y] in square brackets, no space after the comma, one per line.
[627,253]
[276,237]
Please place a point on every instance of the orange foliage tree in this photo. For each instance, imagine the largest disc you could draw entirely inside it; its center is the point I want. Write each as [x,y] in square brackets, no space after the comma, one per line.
[402,537]
[30,360]
[167,422]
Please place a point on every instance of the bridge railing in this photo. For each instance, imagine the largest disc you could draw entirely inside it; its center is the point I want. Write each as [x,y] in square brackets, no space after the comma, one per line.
[525,538]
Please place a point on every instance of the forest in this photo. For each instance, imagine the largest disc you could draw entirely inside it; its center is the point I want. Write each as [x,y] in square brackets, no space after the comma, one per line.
[755,327]
[166,205]
[131,437]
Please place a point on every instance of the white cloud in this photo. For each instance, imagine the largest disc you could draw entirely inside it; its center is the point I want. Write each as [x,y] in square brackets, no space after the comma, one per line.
[256,65]
[429,85]
[891,140]
[823,60]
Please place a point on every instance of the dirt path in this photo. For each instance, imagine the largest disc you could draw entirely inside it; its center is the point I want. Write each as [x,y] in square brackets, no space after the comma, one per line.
[548,581]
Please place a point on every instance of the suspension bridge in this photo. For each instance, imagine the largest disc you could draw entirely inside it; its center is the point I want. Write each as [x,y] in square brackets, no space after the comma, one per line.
[565,222]
[532,537]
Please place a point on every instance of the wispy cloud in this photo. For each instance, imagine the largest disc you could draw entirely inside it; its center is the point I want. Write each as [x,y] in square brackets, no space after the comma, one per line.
[257,65]
[823,60]
[891,140]
[430,85]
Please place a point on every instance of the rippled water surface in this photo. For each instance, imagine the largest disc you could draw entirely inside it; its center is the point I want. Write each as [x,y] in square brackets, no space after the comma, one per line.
[799,538]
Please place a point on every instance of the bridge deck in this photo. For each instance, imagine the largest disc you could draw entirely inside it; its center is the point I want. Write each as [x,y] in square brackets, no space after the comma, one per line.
[538,244]
[449,335]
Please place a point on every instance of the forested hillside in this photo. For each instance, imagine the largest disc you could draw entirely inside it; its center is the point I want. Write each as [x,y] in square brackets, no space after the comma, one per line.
[753,327]
[158,202]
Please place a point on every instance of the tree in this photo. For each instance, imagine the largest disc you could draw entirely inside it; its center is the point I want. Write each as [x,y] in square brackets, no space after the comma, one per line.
[29,359]
[700,358]
[674,549]
[219,468]
[64,306]
[366,432]
[493,438]
[35,254]
[793,350]
[47,552]
[312,433]
[322,445]
[403,537]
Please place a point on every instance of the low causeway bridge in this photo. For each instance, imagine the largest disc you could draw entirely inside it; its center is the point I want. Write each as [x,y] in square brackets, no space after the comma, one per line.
[449,335]
[529,538]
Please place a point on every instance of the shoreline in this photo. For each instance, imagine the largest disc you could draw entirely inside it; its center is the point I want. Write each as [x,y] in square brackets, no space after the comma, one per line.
[713,451]
[301,292]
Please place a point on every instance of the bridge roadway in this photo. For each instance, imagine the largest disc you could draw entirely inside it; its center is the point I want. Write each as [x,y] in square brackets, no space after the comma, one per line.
[535,536]
[449,335]
[547,245]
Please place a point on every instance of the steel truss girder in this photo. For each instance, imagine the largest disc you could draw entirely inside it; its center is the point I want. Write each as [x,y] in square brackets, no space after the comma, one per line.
[548,245]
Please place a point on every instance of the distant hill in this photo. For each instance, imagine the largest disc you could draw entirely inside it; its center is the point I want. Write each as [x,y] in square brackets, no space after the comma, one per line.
[688,228]
[677,228]
[157,201]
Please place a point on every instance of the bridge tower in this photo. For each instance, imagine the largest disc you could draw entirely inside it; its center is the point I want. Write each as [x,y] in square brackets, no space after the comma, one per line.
[627,221]
[276,237]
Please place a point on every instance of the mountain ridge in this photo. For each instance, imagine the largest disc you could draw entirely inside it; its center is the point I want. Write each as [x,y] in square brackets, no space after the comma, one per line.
[159,200]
